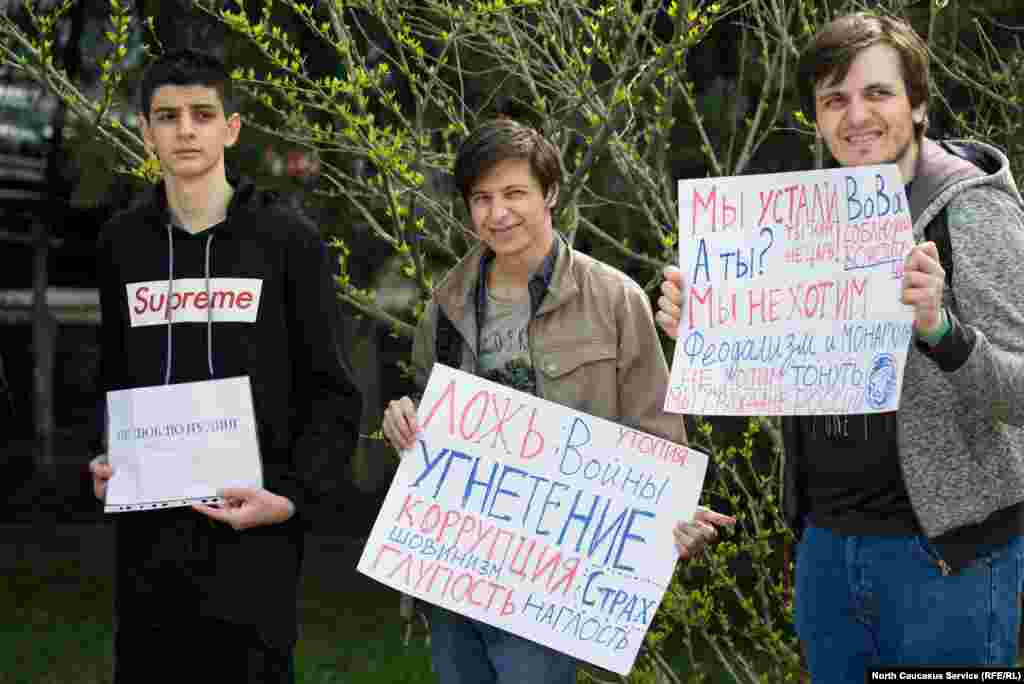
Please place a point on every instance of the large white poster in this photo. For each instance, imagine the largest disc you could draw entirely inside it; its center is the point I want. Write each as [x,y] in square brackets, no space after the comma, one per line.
[175,445]
[543,521]
[791,293]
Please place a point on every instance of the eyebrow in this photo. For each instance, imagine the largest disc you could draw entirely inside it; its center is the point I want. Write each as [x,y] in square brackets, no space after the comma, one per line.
[199,106]
[835,89]
[514,186]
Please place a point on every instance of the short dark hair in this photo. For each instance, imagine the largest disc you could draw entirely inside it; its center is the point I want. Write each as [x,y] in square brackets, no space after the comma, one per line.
[503,138]
[837,44]
[187,67]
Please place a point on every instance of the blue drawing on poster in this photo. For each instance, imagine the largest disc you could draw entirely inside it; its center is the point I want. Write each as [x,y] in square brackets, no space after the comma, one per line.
[881,385]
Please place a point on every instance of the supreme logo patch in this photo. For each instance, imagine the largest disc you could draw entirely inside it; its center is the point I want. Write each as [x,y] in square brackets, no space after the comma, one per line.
[234,300]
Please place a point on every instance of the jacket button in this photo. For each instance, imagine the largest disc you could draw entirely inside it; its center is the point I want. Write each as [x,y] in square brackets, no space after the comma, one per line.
[551,367]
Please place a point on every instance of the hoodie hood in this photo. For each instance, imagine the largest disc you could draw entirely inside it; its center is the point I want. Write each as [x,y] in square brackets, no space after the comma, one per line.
[246,198]
[946,169]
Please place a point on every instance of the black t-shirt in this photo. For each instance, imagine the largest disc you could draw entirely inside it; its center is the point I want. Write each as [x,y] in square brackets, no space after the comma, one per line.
[850,473]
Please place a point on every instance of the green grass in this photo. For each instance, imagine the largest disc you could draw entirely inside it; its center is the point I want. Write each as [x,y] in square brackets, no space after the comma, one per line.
[351,634]
[365,663]
[56,627]
[56,621]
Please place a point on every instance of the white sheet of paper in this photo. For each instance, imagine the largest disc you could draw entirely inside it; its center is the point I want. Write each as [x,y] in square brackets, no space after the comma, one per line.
[532,517]
[791,293]
[175,445]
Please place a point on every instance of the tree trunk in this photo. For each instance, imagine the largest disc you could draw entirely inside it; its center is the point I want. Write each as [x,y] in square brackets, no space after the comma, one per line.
[43,344]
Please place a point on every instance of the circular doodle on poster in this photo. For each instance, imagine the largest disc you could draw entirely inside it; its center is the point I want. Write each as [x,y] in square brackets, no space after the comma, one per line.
[881,385]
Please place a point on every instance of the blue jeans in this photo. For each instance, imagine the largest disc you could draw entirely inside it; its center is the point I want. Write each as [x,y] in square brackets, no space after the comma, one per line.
[865,601]
[466,651]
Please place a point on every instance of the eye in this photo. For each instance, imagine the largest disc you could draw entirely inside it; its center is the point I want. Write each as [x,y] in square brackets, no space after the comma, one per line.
[165,116]
[832,102]
[515,194]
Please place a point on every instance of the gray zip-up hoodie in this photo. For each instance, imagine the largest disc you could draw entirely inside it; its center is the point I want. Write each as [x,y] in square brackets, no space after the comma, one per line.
[961,416]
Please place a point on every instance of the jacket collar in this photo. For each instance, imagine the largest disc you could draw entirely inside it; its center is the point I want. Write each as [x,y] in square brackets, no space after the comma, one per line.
[463,290]
[539,284]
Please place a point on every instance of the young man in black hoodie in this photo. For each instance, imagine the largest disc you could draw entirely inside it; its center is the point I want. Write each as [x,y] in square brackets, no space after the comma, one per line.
[205,280]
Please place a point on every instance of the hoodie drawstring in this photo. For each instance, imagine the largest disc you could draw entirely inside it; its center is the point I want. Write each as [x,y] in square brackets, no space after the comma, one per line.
[195,540]
[209,308]
[167,303]
[168,311]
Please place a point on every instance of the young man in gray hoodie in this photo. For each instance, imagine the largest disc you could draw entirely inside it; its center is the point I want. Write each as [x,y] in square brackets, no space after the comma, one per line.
[910,523]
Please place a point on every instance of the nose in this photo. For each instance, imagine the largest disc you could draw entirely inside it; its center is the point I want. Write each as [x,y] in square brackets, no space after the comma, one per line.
[185,126]
[857,111]
[498,211]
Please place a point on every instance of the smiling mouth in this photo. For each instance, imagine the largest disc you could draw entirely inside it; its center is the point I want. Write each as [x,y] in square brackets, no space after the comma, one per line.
[862,138]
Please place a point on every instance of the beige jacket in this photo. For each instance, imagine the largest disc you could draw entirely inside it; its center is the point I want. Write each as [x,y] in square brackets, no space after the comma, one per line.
[592,340]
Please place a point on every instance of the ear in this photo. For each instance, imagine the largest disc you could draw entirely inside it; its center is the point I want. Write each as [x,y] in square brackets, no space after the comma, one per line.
[147,134]
[234,123]
[919,114]
[552,199]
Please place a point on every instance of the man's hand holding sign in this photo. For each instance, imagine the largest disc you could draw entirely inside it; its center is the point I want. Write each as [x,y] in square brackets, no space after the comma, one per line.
[242,507]
[923,283]
[247,507]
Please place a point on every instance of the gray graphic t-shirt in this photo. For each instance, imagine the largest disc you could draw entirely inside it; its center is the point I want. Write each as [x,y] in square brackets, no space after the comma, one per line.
[504,345]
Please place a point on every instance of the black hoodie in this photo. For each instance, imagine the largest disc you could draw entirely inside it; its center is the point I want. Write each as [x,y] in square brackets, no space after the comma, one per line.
[251,296]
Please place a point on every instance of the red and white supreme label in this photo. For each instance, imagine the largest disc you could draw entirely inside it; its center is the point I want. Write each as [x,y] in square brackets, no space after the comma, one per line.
[228,300]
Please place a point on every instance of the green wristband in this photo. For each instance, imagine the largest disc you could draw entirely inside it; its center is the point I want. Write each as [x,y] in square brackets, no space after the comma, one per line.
[936,336]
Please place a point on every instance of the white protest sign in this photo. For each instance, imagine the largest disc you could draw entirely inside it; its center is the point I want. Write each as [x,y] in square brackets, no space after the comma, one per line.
[791,293]
[175,445]
[541,520]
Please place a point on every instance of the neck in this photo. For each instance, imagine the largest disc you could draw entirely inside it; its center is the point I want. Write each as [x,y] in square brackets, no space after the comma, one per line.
[908,163]
[513,271]
[200,204]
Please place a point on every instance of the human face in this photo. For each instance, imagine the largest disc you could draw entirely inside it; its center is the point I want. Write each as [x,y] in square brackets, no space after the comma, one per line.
[867,118]
[188,130]
[511,214]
